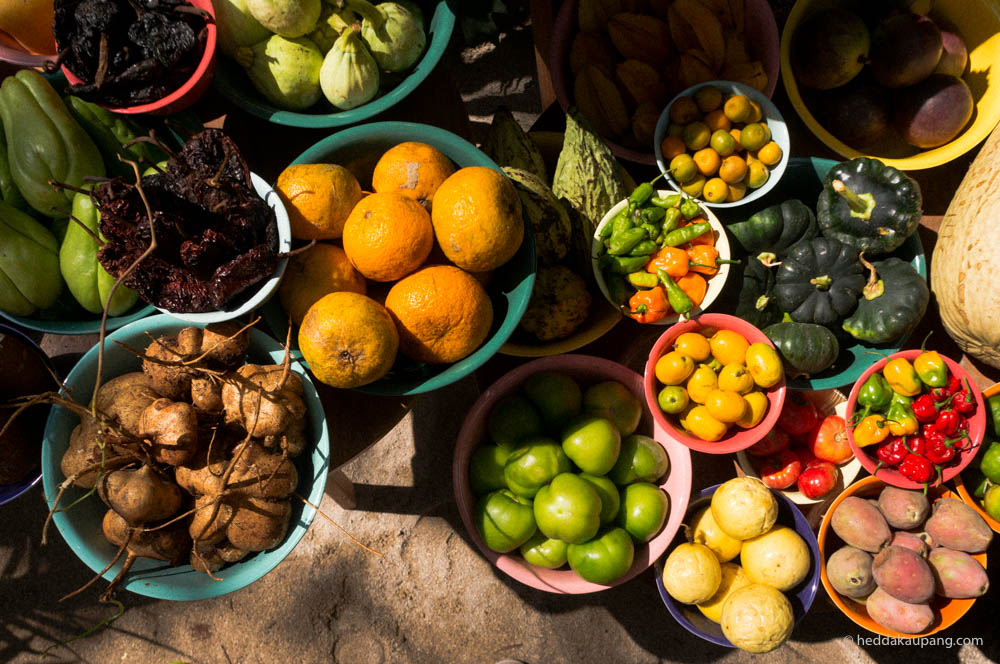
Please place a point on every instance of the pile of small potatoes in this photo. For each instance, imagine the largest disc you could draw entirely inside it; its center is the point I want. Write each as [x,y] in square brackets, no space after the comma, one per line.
[714,379]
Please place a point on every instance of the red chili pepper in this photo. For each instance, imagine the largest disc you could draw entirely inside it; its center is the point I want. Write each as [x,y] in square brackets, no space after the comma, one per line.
[915,445]
[916,468]
[963,401]
[924,408]
[928,430]
[940,450]
[940,393]
[891,452]
[947,422]
[954,383]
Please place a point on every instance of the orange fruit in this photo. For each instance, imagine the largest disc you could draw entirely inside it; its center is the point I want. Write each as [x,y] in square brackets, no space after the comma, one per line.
[737,108]
[696,135]
[477,219]
[413,169]
[715,190]
[318,198]
[756,114]
[708,98]
[320,270]
[733,169]
[737,190]
[683,111]
[442,314]
[671,147]
[717,120]
[707,160]
[387,236]
[348,339]
[770,154]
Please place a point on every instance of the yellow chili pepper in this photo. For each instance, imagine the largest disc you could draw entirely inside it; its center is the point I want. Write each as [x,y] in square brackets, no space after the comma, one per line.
[902,377]
[905,425]
[871,431]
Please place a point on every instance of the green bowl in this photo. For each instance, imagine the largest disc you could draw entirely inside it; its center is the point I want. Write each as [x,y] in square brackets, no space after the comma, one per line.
[86,326]
[803,179]
[357,149]
[233,83]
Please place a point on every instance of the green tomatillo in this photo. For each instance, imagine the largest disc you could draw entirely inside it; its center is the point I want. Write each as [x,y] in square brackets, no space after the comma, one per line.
[603,559]
[486,469]
[504,520]
[641,458]
[533,465]
[592,443]
[568,508]
[643,510]
[544,551]
[608,493]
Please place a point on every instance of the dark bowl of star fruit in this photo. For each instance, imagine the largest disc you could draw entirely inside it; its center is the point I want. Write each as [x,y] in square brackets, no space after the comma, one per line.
[137,56]
[915,419]
[222,234]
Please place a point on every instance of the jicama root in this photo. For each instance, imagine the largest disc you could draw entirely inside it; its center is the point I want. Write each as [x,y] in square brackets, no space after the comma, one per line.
[172,429]
[264,400]
[140,496]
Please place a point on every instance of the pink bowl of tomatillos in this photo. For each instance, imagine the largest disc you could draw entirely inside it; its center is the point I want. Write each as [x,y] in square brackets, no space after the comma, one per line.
[191,89]
[738,436]
[476,433]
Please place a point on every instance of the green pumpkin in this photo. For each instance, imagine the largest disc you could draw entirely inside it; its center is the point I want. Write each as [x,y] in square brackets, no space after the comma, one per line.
[868,205]
[893,302]
[805,348]
[775,229]
[757,304]
[819,281]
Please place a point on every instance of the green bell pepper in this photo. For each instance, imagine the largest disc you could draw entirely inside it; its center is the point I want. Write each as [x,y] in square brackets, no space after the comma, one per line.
[875,395]
[29,264]
[86,278]
[45,143]
[111,133]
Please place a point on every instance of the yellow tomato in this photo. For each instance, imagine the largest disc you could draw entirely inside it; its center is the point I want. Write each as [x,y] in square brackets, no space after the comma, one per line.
[701,382]
[673,368]
[729,347]
[726,406]
[764,364]
[757,407]
[693,345]
[682,416]
[701,423]
[736,378]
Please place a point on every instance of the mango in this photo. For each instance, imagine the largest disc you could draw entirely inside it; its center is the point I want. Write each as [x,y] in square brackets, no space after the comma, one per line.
[904,574]
[903,509]
[850,571]
[909,541]
[955,525]
[957,575]
[861,524]
[897,615]
[29,264]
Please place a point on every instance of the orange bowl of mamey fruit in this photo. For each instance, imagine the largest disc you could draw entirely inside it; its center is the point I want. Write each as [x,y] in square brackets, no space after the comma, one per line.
[414,285]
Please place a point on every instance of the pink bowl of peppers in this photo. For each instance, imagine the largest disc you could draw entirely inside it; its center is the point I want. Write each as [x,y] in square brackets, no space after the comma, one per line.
[930,429]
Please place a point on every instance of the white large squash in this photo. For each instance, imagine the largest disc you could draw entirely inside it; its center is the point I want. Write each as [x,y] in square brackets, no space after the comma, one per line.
[965,267]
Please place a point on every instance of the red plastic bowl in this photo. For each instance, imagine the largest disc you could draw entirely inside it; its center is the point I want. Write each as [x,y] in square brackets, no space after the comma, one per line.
[585,369]
[736,439]
[977,425]
[760,29]
[193,88]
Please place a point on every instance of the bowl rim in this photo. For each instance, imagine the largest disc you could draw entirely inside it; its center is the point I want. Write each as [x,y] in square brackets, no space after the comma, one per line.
[868,485]
[977,423]
[18,489]
[730,442]
[267,287]
[139,310]
[800,525]
[564,23]
[564,580]
[137,581]
[961,144]
[847,471]
[775,122]
[449,143]
[716,283]
[204,68]
[440,27]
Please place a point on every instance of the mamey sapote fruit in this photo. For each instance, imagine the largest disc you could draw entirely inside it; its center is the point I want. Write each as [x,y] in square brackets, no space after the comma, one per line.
[905,50]
[829,49]
[858,116]
[934,111]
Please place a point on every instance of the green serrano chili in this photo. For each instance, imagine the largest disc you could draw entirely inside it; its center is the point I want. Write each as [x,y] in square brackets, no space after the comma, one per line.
[689,208]
[644,248]
[666,201]
[686,234]
[671,218]
[678,299]
[651,230]
[642,279]
[623,242]
[640,194]
[617,288]
[653,215]
[622,221]
[628,264]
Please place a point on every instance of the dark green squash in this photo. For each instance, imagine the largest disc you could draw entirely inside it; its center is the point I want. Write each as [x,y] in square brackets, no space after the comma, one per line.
[775,229]
[868,205]
[892,303]
[819,281]
[756,304]
[805,348]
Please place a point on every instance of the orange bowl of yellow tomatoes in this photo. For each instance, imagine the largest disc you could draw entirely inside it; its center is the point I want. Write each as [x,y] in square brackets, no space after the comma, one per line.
[715,383]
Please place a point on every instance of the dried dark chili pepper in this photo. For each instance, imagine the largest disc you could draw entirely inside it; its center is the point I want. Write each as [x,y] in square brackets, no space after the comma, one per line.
[215,236]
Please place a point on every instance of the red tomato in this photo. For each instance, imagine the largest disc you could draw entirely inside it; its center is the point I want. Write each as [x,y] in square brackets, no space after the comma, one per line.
[781,470]
[828,441]
[798,416]
[818,479]
[773,442]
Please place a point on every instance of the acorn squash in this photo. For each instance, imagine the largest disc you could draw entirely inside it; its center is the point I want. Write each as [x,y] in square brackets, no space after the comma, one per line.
[819,281]
[892,303]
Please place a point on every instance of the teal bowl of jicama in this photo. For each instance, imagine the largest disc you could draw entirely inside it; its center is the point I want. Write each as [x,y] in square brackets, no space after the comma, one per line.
[81,525]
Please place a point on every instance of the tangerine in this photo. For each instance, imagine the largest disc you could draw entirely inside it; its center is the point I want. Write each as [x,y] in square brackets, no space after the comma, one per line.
[318,198]
[477,219]
[348,339]
[442,314]
[413,169]
[387,236]
[707,160]
[671,147]
[322,269]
